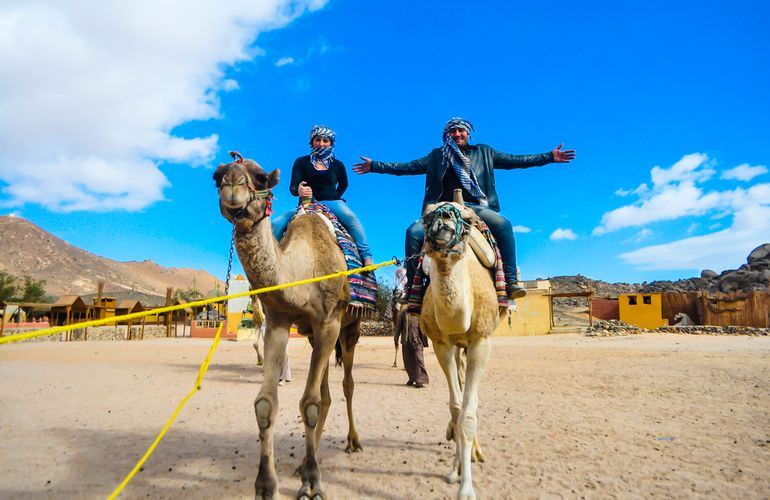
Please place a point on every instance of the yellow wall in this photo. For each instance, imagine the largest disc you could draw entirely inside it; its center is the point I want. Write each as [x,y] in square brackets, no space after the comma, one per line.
[643,315]
[233,320]
[532,317]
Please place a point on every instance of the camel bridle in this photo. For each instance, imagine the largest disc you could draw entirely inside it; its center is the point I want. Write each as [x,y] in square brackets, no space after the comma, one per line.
[254,195]
[461,228]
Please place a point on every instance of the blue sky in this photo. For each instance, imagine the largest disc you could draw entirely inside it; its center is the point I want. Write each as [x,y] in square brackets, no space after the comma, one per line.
[665,104]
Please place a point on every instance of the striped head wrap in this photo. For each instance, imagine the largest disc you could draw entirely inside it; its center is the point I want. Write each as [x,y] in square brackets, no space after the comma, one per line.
[460,163]
[323,155]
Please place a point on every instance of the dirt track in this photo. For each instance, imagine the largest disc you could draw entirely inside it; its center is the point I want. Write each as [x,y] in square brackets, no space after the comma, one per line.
[560,416]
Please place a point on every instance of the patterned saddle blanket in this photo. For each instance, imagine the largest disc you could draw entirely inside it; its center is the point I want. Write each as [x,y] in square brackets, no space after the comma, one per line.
[363,287]
[420,281]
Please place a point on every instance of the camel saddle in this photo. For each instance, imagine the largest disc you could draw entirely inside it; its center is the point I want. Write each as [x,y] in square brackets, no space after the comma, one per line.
[481,247]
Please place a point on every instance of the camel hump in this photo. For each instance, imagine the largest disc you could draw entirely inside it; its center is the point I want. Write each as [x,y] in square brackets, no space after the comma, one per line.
[482,248]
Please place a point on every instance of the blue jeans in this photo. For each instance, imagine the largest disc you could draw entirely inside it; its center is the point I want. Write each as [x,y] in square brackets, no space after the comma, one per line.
[501,229]
[346,216]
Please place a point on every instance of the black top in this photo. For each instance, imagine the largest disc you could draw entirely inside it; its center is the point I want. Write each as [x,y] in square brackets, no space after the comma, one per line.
[326,184]
[448,186]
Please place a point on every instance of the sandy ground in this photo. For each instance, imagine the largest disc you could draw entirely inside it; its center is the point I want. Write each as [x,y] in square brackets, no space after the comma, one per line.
[560,416]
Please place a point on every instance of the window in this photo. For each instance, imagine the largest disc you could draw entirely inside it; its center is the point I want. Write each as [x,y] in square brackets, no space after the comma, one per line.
[647,299]
[632,300]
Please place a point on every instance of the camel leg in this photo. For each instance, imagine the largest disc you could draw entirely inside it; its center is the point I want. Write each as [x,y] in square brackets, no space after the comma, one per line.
[324,337]
[326,402]
[260,337]
[266,409]
[445,354]
[478,357]
[477,455]
[349,339]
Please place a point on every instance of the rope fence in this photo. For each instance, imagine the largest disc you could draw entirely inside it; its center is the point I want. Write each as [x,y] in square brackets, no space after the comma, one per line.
[160,310]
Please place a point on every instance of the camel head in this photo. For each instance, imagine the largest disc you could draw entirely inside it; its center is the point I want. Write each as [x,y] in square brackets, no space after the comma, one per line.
[447,226]
[245,191]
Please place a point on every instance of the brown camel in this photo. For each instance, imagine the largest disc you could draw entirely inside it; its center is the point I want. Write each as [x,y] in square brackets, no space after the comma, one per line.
[459,310]
[318,309]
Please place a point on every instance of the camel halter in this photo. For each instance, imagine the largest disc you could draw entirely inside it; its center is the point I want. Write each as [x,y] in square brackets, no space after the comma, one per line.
[461,227]
[254,194]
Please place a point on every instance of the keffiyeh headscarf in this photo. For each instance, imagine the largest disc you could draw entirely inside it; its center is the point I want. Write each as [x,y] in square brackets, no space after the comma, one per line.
[460,163]
[323,155]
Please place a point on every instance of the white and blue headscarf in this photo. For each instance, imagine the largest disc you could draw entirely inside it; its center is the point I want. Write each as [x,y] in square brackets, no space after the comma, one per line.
[459,162]
[323,155]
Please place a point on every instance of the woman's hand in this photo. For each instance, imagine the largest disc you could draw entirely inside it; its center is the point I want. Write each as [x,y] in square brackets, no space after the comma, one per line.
[364,167]
[304,190]
[565,156]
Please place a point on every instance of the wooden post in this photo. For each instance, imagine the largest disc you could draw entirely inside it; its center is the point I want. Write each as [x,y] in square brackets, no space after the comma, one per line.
[2,320]
[85,330]
[590,313]
[68,333]
[141,335]
[168,314]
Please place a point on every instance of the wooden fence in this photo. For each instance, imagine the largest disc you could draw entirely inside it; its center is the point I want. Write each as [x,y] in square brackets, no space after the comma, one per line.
[719,309]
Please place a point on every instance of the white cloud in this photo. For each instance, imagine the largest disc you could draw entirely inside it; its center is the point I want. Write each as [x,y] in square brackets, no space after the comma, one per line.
[521,229]
[675,195]
[642,235]
[284,61]
[563,234]
[744,172]
[89,97]
[687,169]
[719,250]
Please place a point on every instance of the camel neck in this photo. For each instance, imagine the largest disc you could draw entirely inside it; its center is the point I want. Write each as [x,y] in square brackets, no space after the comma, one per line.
[452,295]
[260,255]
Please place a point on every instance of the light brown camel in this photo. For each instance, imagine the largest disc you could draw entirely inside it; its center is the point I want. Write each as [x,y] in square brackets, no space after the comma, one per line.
[459,310]
[307,250]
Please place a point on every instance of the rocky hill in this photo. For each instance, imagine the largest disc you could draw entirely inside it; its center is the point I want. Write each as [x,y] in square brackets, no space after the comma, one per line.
[26,249]
[753,275]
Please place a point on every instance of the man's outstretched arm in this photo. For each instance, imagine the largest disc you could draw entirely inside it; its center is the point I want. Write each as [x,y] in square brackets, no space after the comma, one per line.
[414,167]
[509,161]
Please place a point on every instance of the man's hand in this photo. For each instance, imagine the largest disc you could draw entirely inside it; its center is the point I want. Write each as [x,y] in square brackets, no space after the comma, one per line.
[565,156]
[304,190]
[364,167]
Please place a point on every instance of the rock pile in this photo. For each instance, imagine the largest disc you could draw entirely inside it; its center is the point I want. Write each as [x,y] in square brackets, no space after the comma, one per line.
[612,328]
[615,328]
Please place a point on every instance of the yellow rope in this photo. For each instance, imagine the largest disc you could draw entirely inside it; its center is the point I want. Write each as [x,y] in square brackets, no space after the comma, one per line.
[106,321]
[201,372]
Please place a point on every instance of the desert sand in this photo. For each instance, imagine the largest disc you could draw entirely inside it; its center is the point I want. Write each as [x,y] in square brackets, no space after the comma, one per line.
[561,416]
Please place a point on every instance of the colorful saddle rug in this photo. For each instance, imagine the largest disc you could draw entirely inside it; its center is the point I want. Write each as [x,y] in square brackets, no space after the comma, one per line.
[363,287]
[420,281]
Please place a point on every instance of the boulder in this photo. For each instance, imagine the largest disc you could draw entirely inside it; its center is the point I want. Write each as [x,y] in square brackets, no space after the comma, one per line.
[708,274]
[759,258]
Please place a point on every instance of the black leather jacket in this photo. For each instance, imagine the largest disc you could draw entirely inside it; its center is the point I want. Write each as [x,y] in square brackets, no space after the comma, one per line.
[484,159]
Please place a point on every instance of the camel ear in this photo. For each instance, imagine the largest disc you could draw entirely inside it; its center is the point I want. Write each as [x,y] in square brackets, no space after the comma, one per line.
[219,173]
[256,172]
[273,178]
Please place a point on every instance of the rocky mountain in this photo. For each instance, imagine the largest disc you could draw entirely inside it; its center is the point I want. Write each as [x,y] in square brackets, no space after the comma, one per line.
[26,249]
[753,275]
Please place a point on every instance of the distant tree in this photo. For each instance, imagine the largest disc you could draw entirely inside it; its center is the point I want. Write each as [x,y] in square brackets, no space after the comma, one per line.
[384,295]
[7,286]
[33,290]
[188,295]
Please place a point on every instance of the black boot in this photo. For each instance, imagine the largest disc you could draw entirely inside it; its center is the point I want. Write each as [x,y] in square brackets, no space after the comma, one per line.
[514,291]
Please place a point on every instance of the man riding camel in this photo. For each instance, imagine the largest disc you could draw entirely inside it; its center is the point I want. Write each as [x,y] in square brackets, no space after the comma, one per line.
[469,167]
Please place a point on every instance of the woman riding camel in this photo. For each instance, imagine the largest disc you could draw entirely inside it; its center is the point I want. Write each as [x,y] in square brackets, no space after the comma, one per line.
[469,167]
[321,176]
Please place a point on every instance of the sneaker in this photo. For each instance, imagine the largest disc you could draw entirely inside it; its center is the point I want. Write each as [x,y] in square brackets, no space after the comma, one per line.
[514,291]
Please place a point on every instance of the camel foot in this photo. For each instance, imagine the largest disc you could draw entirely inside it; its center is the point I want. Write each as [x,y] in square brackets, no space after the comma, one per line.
[453,477]
[311,490]
[466,493]
[353,445]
